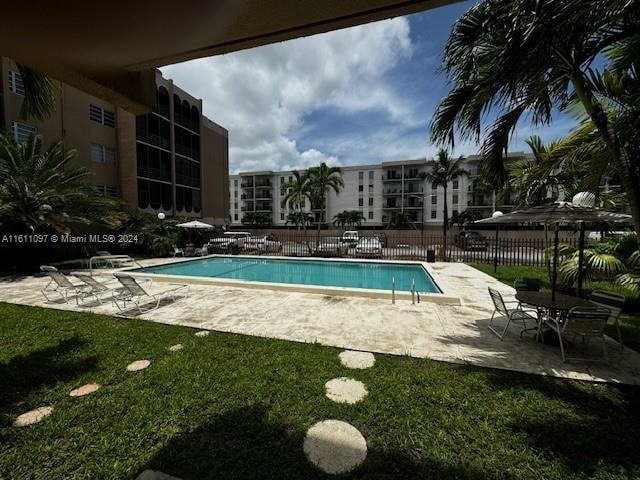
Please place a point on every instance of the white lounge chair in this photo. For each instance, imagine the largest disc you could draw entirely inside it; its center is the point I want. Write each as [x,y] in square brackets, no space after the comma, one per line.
[60,284]
[581,322]
[177,251]
[133,292]
[94,288]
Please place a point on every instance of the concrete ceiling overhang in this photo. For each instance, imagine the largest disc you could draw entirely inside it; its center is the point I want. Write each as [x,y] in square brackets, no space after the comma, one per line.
[111,49]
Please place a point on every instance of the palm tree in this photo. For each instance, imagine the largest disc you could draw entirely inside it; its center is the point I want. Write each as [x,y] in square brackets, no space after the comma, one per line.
[38,188]
[400,221]
[352,218]
[527,57]
[445,170]
[322,179]
[296,193]
[40,95]
[299,219]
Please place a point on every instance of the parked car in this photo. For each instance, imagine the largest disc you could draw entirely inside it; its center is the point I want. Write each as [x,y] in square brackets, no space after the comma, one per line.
[383,239]
[471,240]
[227,241]
[350,238]
[330,247]
[369,247]
[264,243]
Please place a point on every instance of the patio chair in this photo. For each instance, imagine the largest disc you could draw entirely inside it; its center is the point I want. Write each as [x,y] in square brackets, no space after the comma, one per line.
[133,292]
[525,284]
[60,284]
[94,288]
[582,322]
[202,251]
[511,314]
[177,251]
[614,302]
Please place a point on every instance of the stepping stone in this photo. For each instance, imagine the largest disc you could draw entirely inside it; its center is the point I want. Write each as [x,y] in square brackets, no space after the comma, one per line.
[84,390]
[138,365]
[175,348]
[334,446]
[345,390]
[202,333]
[32,416]
[360,360]
[155,475]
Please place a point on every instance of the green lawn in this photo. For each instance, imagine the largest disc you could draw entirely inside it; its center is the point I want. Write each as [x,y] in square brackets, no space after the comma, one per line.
[629,322]
[237,407]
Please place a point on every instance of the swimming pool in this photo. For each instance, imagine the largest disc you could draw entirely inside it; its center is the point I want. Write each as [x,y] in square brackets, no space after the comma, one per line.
[367,275]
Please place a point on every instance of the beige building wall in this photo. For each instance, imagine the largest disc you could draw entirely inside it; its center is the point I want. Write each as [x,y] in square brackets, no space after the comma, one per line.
[70,122]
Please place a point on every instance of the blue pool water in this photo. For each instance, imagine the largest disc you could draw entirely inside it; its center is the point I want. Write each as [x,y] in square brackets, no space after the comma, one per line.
[368,275]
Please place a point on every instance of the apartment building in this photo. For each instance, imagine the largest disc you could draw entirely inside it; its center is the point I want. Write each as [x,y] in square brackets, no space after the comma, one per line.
[376,190]
[172,160]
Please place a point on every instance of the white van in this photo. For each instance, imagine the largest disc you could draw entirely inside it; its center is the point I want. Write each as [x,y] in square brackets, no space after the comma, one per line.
[350,237]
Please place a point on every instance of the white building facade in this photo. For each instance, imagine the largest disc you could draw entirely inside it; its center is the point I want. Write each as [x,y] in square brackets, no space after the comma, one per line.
[376,190]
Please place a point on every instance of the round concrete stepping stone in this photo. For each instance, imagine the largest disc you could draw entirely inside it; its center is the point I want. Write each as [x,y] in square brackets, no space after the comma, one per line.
[360,360]
[345,390]
[84,390]
[138,365]
[175,348]
[32,416]
[202,333]
[335,446]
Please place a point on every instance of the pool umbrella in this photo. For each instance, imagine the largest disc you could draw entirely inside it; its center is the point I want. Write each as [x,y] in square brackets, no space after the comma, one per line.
[560,212]
[195,225]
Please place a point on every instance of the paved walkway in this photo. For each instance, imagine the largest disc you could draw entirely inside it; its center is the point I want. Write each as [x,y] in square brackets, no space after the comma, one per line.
[456,334]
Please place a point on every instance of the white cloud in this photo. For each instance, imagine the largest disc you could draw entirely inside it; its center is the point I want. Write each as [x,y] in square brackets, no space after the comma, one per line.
[261,95]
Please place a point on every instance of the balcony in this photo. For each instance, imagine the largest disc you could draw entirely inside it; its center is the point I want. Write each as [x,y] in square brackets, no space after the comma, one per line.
[263,195]
[392,191]
[152,139]
[395,177]
[264,207]
[154,173]
[188,152]
[247,196]
[187,180]
[263,183]
[246,185]
[186,122]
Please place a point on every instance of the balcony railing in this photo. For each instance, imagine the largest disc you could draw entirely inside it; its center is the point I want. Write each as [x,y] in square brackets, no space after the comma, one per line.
[247,196]
[187,151]
[152,138]
[246,185]
[154,173]
[263,183]
[163,110]
[185,121]
[260,195]
[187,180]
[391,178]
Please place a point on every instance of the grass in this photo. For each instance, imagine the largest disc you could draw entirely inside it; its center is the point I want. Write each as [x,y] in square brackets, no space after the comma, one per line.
[231,406]
[629,322]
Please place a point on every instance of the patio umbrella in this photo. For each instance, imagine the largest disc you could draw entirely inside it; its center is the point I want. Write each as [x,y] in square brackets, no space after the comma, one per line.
[195,225]
[560,212]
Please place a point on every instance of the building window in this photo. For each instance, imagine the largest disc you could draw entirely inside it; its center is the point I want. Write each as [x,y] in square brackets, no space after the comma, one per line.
[370,176]
[235,205]
[370,202]
[235,193]
[281,215]
[361,176]
[434,186]
[455,198]
[455,184]
[370,215]
[361,188]
[100,115]
[361,202]
[434,199]
[15,83]
[235,183]
[102,154]
[290,179]
[283,204]
[433,214]
[281,180]
[235,216]
[22,131]
[107,190]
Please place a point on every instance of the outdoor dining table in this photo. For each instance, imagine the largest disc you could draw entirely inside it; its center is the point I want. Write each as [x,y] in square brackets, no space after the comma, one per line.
[556,307]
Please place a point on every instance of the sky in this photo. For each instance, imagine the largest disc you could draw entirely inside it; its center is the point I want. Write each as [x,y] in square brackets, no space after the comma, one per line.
[356,96]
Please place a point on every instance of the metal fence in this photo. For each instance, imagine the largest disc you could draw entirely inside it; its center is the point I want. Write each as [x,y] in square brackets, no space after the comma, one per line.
[399,245]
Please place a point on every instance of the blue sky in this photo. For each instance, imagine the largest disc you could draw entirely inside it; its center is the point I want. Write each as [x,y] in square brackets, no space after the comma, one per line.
[354,96]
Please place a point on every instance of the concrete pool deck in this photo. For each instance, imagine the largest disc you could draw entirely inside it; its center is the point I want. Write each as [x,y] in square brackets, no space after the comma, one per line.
[451,333]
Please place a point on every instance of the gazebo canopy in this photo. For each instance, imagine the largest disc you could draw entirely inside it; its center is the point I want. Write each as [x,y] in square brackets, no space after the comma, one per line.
[558,212]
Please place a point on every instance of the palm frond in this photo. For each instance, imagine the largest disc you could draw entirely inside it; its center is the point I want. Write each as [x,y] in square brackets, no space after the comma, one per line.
[40,94]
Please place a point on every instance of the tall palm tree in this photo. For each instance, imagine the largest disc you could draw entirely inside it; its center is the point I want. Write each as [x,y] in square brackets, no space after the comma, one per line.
[39,188]
[296,193]
[400,220]
[299,219]
[323,179]
[445,170]
[527,57]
